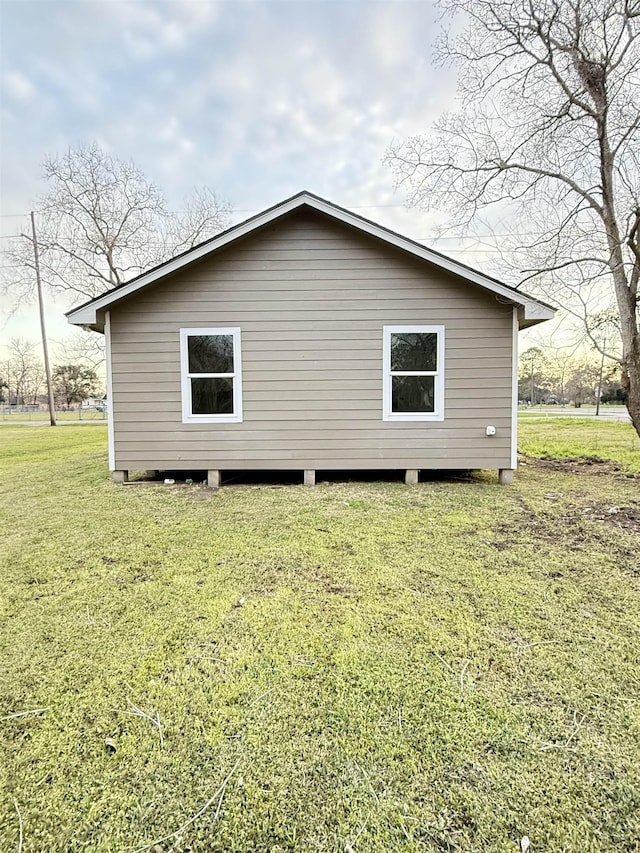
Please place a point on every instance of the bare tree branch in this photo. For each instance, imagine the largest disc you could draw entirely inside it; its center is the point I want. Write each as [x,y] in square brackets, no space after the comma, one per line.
[101,222]
[548,130]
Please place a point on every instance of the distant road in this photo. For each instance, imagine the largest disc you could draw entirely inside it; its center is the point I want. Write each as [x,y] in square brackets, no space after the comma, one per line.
[13,421]
[606,414]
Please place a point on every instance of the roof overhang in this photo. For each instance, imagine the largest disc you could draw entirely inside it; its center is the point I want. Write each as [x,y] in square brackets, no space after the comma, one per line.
[533,312]
[91,314]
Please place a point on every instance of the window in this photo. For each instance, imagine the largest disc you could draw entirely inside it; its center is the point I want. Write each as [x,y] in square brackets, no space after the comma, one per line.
[413,383]
[211,375]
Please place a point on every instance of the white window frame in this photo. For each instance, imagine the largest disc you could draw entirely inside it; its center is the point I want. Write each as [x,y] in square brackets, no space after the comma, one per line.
[387,413]
[187,414]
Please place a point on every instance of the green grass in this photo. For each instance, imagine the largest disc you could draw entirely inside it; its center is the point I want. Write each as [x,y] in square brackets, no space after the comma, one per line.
[447,667]
[581,439]
[560,411]
[43,416]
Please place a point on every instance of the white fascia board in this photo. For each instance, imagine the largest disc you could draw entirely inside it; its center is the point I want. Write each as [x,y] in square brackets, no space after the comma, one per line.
[532,313]
[87,314]
[537,311]
[514,389]
[110,421]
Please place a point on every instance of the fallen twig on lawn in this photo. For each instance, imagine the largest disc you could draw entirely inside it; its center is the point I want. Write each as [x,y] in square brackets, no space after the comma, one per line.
[367,777]
[521,646]
[565,745]
[348,847]
[101,621]
[261,696]
[440,658]
[462,672]
[134,711]
[24,713]
[460,677]
[218,794]
[15,803]
[192,658]
[298,660]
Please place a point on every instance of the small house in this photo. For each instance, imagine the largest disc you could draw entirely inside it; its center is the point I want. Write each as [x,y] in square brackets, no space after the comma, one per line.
[309,338]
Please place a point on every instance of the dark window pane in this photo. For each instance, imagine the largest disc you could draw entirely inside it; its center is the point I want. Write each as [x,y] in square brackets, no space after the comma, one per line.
[414,351]
[212,396]
[413,394]
[210,353]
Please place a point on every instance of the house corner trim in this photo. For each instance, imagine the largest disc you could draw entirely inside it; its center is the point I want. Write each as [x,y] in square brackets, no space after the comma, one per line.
[110,436]
[514,391]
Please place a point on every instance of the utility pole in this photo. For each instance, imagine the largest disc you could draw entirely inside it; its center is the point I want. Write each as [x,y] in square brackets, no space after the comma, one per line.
[43,328]
[532,395]
[604,344]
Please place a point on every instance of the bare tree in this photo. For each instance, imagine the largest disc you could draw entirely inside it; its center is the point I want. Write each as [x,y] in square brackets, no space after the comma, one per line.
[25,372]
[548,133]
[83,347]
[102,222]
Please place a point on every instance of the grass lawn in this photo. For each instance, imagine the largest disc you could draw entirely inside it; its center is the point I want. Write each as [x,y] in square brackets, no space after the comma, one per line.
[355,667]
[581,440]
[43,416]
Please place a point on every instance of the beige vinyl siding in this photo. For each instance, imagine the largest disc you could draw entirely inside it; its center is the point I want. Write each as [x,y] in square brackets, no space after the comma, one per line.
[311,297]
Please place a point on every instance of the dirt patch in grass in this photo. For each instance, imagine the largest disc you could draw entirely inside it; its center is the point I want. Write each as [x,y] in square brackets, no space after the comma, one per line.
[578,465]
[578,521]
[626,518]
[571,528]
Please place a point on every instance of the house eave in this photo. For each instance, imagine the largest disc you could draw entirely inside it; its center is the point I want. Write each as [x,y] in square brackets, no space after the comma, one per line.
[532,313]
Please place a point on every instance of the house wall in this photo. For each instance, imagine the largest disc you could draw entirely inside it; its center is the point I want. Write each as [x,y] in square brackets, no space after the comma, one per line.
[311,297]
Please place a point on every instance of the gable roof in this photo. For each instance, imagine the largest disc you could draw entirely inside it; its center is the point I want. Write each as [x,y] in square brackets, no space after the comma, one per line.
[88,314]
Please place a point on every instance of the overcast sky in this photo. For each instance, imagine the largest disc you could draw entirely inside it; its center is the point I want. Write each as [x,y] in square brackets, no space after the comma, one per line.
[257,100]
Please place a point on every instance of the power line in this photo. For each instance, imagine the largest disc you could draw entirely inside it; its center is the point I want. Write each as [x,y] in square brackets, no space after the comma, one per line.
[453,249]
[430,237]
[351,207]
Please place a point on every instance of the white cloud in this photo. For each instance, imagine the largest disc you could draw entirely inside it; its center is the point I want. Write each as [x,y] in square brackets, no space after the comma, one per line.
[62,80]
[148,29]
[389,35]
[256,100]
[17,86]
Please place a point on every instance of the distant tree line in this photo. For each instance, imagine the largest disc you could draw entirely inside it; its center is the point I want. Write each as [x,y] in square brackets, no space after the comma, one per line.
[566,378]
[23,381]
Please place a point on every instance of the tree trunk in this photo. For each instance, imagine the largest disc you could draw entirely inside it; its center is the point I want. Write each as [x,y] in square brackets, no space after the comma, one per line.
[630,378]
[625,298]
[630,381]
